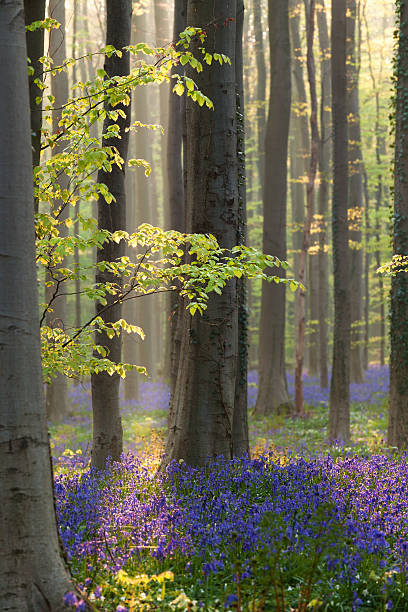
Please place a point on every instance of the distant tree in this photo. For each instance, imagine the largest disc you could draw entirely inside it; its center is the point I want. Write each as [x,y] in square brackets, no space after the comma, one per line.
[33,577]
[325,155]
[299,144]
[311,177]
[355,191]
[339,427]
[139,209]
[202,411]
[56,391]
[398,413]
[107,426]
[260,91]
[273,394]
[175,181]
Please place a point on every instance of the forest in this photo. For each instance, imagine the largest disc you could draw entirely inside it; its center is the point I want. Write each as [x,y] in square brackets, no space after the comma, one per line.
[203,305]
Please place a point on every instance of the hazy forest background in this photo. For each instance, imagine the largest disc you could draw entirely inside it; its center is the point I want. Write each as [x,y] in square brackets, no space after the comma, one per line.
[210,223]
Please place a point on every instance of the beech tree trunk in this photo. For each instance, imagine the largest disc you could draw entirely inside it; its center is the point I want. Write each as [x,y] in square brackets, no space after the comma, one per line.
[56,391]
[273,394]
[398,414]
[34,10]
[260,93]
[33,577]
[325,148]
[107,426]
[355,194]
[175,181]
[202,411]
[314,150]
[339,426]
[240,414]
[139,204]
[367,260]
[300,143]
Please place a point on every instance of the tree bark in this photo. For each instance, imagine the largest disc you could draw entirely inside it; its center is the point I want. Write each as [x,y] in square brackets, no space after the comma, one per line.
[273,394]
[202,411]
[339,418]
[34,10]
[139,203]
[107,426]
[175,181]
[260,93]
[33,577]
[163,37]
[398,413]
[56,391]
[300,143]
[240,415]
[314,150]
[367,260]
[325,147]
[355,194]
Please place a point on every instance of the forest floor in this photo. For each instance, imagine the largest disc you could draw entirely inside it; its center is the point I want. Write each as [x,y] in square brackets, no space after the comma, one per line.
[301,526]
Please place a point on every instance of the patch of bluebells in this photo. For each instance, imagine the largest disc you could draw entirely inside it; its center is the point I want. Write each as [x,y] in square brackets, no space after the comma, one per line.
[373,390]
[352,512]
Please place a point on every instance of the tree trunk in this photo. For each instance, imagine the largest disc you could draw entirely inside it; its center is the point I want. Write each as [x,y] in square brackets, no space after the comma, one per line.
[162,358]
[325,147]
[139,210]
[175,181]
[300,143]
[379,153]
[34,10]
[76,210]
[240,414]
[314,150]
[56,391]
[367,259]
[33,577]
[107,426]
[273,394]
[131,341]
[202,411]
[260,93]
[339,426]
[355,194]
[398,414]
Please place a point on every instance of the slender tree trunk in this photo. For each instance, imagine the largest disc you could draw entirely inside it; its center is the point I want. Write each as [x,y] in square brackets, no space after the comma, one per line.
[260,93]
[367,259]
[76,210]
[325,147]
[240,414]
[379,153]
[398,414]
[300,145]
[131,341]
[273,394]
[139,210]
[175,181]
[163,36]
[34,10]
[339,427]
[33,577]
[202,413]
[314,151]
[56,392]
[378,232]
[107,426]
[313,291]
[355,194]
